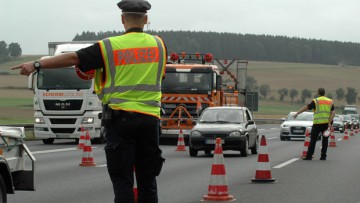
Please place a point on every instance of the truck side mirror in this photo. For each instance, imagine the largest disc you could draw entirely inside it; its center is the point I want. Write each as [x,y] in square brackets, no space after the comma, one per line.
[218,82]
[31,81]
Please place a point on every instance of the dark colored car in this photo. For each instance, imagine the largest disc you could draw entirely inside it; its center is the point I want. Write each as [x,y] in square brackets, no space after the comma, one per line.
[234,125]
[338,124]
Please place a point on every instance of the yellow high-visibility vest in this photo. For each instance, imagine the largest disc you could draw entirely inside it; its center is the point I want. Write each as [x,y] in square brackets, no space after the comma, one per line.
[322,110]
[134,67]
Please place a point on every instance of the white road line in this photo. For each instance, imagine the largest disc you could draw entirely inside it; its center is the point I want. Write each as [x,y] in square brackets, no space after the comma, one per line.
[56,150]
[261,129]
[273,128]
[286,163]
[104,165]
[339,139]
[270,138]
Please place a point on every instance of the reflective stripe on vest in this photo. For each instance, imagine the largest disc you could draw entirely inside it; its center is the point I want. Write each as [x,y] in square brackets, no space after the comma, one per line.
[125,93]
[322,110]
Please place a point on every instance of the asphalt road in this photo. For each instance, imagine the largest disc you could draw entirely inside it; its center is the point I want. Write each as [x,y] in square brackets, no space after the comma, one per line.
[60,179]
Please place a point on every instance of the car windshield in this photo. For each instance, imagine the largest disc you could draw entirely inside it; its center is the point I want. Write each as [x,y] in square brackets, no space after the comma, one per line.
[347,117]
[337,119]
[300,117]
[222,116]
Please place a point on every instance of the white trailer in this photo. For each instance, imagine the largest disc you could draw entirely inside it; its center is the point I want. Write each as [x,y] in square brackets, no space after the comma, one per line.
[64,103]
[13,154]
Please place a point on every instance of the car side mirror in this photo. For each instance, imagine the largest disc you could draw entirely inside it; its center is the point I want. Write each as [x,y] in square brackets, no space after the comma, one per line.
[251,122]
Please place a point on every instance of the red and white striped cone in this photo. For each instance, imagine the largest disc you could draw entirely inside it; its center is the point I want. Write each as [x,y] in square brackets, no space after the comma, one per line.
[356,130]
[332,142]
[352,130]
[218,187]
[263,172]
[87,158]
[135,190]
[81,139]
[346,136]
[306,144]
[181,143]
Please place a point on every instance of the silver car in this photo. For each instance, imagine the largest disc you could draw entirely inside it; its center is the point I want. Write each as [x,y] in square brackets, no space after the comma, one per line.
[296,128]
[234,125]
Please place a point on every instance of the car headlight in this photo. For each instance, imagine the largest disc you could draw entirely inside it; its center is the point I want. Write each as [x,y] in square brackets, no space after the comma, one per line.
[87,120]
[235,134]
[285,126]
[195,133]
[39,120]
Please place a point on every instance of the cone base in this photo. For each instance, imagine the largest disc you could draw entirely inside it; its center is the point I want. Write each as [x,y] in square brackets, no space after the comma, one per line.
[180,150]
[270,180]
[87,164]
[332,145]
[218,198]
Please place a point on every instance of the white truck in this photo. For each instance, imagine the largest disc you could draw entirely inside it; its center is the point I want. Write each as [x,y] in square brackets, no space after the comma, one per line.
[63,103]
[13,156]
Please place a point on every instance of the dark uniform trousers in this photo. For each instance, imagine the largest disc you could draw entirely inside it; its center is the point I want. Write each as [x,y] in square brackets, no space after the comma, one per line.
[316,131]
[132,140]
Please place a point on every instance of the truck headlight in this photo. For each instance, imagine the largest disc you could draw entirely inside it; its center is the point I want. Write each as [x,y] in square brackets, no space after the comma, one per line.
[195,134]
[39,120]
[235,134]
[87,120]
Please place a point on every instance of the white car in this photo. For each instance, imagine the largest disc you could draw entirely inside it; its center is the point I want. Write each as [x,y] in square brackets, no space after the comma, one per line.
[296,128]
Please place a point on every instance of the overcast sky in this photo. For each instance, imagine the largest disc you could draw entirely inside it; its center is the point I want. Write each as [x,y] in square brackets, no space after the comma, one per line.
[33,23]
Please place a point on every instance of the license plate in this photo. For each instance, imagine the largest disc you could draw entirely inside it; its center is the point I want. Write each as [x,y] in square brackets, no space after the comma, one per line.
[212,141]
[63,136]
[298,131]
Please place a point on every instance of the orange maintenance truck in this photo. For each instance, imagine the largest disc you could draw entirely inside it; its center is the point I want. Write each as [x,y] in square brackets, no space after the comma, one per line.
[192,83]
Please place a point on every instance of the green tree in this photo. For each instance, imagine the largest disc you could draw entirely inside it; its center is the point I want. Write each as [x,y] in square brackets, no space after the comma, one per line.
[264,90]
[15,50]
[293,93]
[283,92]
[340,94]
[4,52]
[351,95]
[306,93]
[251,84]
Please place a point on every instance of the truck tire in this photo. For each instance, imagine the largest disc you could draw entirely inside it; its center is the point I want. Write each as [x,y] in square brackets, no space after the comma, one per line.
[3,193]
[48,141]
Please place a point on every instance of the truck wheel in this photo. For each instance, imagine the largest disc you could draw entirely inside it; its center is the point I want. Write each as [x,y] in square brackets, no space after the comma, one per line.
[3,198]
[48,141]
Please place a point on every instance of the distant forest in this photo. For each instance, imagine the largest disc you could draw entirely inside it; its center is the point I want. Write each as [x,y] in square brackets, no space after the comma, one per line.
[252,47]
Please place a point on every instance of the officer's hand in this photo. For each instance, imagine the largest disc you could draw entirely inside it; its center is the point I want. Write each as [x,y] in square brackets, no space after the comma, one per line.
[25,68]
[295,115]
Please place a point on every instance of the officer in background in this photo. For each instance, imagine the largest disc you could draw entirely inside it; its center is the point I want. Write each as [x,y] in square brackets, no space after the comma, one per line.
[129,70]
[324,112]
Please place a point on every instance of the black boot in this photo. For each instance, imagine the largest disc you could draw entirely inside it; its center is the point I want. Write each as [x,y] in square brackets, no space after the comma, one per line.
[323,157]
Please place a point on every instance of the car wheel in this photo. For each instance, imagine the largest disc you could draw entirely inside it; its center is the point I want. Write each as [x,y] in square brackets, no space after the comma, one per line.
[207,151]
[244,149]
[193,152]
[255,148]
[48,141]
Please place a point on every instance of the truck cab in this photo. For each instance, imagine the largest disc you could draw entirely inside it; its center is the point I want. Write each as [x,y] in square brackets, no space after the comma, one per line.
[65,104]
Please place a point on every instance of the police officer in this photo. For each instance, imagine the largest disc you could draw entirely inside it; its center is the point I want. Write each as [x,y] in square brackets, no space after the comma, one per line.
[324,112]
[129,70]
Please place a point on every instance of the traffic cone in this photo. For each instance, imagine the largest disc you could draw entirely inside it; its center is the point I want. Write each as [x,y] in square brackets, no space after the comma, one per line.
[332,142]
[87,158]
[356,130]
[135,190]
[218,187]
[352,130]
[81,139]
[306,144]
[346,136]
[181,143]
[263,172]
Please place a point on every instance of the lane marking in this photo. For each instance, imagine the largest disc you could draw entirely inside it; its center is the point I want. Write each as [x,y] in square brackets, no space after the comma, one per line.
[261,129]
[270,138]
[274,128]
[56,150]
[339,139]
[286,163]
[104,165]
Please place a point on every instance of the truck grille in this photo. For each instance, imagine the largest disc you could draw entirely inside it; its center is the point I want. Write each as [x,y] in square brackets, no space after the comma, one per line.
[168,109]
[63,130]
[63,120]
[59,105]
[297,130]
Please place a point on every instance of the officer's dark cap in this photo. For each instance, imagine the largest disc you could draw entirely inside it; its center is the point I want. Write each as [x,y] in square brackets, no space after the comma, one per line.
[134,6]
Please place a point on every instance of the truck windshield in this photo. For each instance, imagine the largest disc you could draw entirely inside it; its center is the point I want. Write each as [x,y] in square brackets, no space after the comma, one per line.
[63,78]
[187,82]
